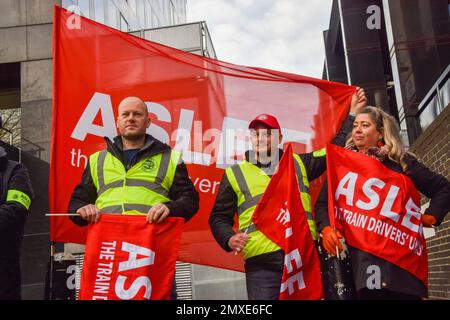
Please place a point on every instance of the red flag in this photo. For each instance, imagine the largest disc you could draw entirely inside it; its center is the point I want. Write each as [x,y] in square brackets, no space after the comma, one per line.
[127,258]
[377,210]
[193,102]
[281,217]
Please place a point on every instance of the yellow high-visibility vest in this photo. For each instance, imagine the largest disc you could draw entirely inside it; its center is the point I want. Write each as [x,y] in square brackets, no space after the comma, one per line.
[249,183]
[134,191]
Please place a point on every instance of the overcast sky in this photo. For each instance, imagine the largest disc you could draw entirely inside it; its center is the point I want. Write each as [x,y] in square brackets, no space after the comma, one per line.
[284,35]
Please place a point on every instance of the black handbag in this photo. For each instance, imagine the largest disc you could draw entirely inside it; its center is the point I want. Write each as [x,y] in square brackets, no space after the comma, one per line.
[337,275]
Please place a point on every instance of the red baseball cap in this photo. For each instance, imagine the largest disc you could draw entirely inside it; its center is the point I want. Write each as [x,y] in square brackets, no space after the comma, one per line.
[266,119]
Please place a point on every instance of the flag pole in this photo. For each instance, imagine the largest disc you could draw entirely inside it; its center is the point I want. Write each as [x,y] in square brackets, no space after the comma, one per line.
[52,254]
[245,233]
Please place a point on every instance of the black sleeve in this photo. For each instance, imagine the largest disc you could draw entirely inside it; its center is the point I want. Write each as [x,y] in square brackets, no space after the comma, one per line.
[321,208]
[13,214]
[315,162]
[434,186]
[346,128]
[85,193]
[221,220]
[184,199]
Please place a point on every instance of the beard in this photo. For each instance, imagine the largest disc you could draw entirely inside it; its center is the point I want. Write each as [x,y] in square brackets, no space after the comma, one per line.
[133,136]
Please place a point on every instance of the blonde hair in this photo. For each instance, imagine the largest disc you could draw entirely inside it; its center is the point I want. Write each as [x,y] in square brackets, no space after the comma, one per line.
[388,127]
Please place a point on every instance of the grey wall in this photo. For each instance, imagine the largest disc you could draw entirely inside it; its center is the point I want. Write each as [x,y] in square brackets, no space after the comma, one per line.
[26,37]
[217,284]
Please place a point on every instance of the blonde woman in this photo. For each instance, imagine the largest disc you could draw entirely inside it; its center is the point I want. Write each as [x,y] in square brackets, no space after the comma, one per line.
[376,134]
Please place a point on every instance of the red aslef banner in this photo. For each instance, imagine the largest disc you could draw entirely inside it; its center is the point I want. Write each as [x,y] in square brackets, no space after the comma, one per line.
[199,106]
[128,258]
[281,217]
[376,209]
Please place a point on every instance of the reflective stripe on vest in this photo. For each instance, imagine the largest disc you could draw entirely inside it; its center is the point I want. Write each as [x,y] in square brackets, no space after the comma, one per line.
[134,191]
[320,153]
[156,187]
[247,202]
[126,207]
[303,182]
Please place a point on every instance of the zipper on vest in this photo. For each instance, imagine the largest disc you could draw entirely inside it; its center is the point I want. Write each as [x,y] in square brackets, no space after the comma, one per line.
[124,183]
[124,192]
[143,153]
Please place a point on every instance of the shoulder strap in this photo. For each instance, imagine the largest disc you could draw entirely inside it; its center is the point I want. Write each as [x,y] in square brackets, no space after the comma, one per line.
[6,176]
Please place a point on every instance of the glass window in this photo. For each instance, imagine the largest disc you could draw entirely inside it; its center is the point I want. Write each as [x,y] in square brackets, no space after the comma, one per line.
[182,11]
[444,94]
[148,15]
[171,13]
[397,84]
[430,113]
[140,12]
[164,8]
[99,11]
[84,7]
[404,133]
[388,23]
[167,12]
[133,6]
[111,17]
[123,24]
[157,13]
[155,21]
[67,3]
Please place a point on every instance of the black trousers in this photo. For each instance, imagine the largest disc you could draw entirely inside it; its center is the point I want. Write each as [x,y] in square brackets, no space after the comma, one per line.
[263,284]
[263,275]
[9,281]
[173,294]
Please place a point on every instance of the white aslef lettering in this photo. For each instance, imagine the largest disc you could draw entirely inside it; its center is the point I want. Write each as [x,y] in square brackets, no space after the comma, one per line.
[350,179]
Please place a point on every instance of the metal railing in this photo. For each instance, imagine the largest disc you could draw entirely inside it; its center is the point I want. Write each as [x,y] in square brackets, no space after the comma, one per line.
[435,101]
[35,150]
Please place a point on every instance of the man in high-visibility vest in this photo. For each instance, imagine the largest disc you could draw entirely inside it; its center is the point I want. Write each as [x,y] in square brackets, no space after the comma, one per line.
[136,174]
[242,187]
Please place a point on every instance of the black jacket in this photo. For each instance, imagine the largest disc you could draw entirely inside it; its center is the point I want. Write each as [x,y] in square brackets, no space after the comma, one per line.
[221,219]
[184,199]
[393,278]
[13,216]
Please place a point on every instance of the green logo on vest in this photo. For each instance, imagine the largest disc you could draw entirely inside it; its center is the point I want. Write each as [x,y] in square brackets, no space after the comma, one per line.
[148,165]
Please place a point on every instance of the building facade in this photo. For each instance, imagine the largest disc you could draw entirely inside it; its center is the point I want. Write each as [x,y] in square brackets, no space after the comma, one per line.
[399,51]
[131,15]
[26,51]
[26,28]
